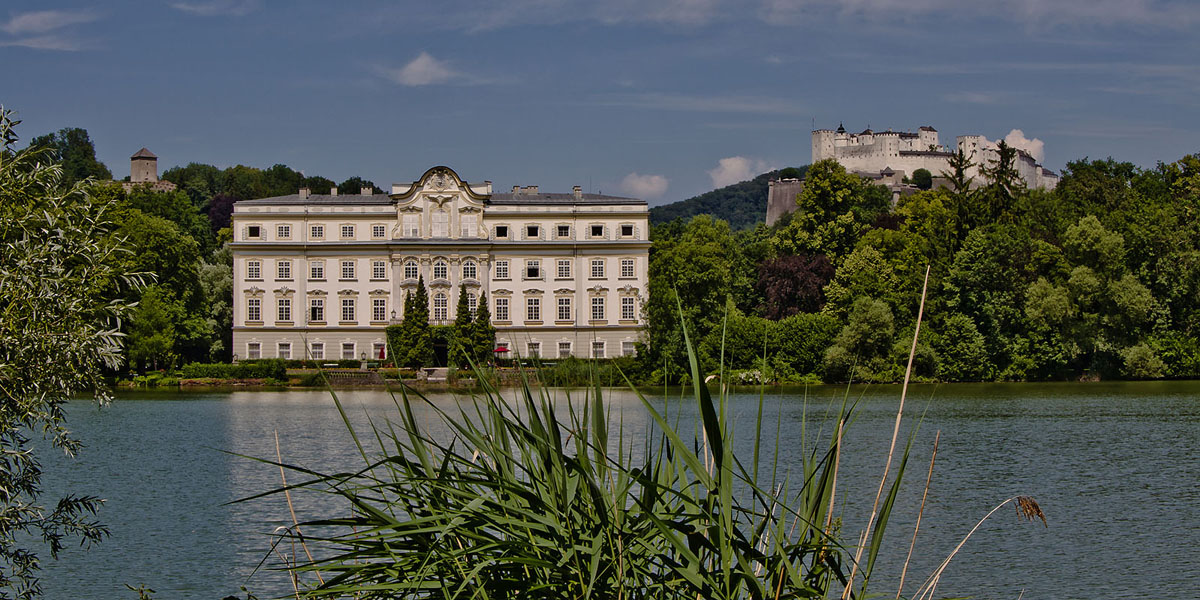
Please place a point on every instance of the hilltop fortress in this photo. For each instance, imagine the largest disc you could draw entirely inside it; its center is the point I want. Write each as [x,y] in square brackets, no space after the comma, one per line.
[873,152]
[889,158]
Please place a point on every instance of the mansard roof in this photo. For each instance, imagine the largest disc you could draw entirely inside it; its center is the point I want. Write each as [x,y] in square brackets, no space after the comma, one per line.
[320,199]
[554,198]
[501,199]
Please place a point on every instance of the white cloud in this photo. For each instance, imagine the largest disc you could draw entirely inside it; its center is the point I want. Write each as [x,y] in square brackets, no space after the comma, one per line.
[46,42]
[219,8]
[645,186]
[735,169]
[1176,14]
[1035,147]
[422,70]
[43,21]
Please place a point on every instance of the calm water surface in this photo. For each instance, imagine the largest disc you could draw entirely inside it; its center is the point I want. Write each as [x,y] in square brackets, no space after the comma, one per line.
[1115,467]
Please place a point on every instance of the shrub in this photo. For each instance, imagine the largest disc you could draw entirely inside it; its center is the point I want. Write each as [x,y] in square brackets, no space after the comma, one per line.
[260,369]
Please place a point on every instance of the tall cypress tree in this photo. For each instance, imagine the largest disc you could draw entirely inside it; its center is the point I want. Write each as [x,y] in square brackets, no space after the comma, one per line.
[483,334]
[462,343]
[421,341]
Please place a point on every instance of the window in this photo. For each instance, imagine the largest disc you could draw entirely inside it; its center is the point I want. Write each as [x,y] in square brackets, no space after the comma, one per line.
[348,350]
[283,269]
[441,224]
[254,269]
[283,231]
[597,349]
[533,309]
[533,269]
[348,310]
[441,305]
[564,231]
[564,309]
[469,269]
[378,350]
[627,231]
[598,308]
[626,268]
[468,225]
[597,231]
[532,232]
[254,309]
[628,308]
[378,270]
[628,349]
[316,269]
[564,269]
[502,231]
[411,225]
[501,309]
[347,269]
[378,231]
[378,309]
[254,231]
[347,232]
[316,232]
[502,269]
[440,270]
[533,349]
[316,310]
[284,312]
[253,350]
[472,303]
[597,268]
[317,351]
[284,350]
[564,349]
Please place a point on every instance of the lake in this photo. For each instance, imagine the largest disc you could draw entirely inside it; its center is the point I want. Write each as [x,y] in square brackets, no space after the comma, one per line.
[1115,467]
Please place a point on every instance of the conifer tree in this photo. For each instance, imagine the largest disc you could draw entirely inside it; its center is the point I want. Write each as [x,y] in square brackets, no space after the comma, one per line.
[420,352]
[483,334]
[462,343]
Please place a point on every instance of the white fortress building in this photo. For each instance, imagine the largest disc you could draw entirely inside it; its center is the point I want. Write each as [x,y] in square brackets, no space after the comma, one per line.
[322,276]
[872,152]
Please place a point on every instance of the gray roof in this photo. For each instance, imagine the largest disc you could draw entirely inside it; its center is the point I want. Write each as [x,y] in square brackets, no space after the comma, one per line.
[381,199]
[143,153]
[321,199]
[569,198]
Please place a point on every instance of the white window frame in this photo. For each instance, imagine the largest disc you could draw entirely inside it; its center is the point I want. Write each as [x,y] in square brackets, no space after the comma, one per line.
[283,270]
[558,232]
[347,232]
[283,350]
[598,349]
[501,308]
[348,350]
[316,350]
[468,225]
[502,269]
[628,308]
[254,309]
[536,265]
[564,349]
[379,309]
[412,270]
[440,224]
[349,310]
[348,267]
[316,310]
[628,349]
[254,270]
[378,231]
[411,225]
[316,270]
[628,268]
[598,308]
[253,350]
[441,307]
[283,232]
[378,348]
[533,308]
[441,269]
[378,270]
[563,268]
[472,303]
[316,232]
[283,309]
[470,269]
[564,308]
[533,349]
[597,268]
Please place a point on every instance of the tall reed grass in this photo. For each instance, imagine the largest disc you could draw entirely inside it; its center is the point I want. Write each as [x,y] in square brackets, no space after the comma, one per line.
[534,497]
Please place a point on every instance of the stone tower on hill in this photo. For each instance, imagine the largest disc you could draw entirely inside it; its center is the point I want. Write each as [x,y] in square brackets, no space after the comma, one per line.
[143,170]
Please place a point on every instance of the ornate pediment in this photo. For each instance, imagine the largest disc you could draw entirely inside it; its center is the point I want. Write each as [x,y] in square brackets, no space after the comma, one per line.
[378,292]
[254,291]
[564,291]
[627,290]
[501,292]
[534,291]
[597,289]
[318,293]
[347,292]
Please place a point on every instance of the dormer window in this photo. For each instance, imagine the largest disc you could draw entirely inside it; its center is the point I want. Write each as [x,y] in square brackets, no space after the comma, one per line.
[564,231]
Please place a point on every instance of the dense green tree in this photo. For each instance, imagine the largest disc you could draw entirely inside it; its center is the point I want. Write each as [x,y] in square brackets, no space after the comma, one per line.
[961,351]
[923,179]
[959,163]
[483,333]
[1003,185]
[73,150]
[356,184]
[461,349]
[152,328]
[862,351]
[412,340]
[62,281]
[177,208]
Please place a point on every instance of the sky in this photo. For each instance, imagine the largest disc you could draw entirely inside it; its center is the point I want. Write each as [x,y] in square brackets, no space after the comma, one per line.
[657,99]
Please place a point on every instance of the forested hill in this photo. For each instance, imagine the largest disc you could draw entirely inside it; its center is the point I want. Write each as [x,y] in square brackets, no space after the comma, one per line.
[742,204]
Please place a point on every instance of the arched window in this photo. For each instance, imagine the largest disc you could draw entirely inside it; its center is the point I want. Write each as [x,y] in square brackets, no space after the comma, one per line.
[441,224]
[439,307]
[440,271]
[469,269]
[410,269]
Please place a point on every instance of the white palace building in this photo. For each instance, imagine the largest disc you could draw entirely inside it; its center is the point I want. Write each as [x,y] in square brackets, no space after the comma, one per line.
[321,276]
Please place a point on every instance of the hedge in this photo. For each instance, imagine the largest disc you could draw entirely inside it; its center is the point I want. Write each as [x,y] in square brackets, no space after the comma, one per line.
[261,369]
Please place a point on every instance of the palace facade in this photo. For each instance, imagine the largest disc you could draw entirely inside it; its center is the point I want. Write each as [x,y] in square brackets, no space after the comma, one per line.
[322,276]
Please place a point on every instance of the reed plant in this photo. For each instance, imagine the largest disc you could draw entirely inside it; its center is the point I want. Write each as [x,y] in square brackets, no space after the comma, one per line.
[542,497]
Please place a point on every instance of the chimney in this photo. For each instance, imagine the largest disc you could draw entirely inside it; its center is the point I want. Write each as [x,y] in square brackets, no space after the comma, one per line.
[333,191]
[516,190]
[304,193]
[531,189]
[368,191]
[578,192]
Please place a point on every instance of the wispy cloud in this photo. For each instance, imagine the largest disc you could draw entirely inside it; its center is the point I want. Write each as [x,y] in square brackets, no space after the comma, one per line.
[475,16]
[219,8]
[735,169]
[1174,14]
[646,187]
[40,30]
[424,70]
[716,104]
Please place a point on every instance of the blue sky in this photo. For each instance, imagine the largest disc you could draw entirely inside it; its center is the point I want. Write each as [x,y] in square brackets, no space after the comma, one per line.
[661,99]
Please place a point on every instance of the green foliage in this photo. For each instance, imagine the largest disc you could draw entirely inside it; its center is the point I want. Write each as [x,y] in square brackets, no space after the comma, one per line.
[62,275]
[72,150]
[742,205]
[923,179]
[961,350]
[862,351]
[1142,363]
[257,369]
[410,343]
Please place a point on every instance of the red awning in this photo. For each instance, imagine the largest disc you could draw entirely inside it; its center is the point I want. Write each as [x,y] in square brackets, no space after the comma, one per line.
[500,349]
